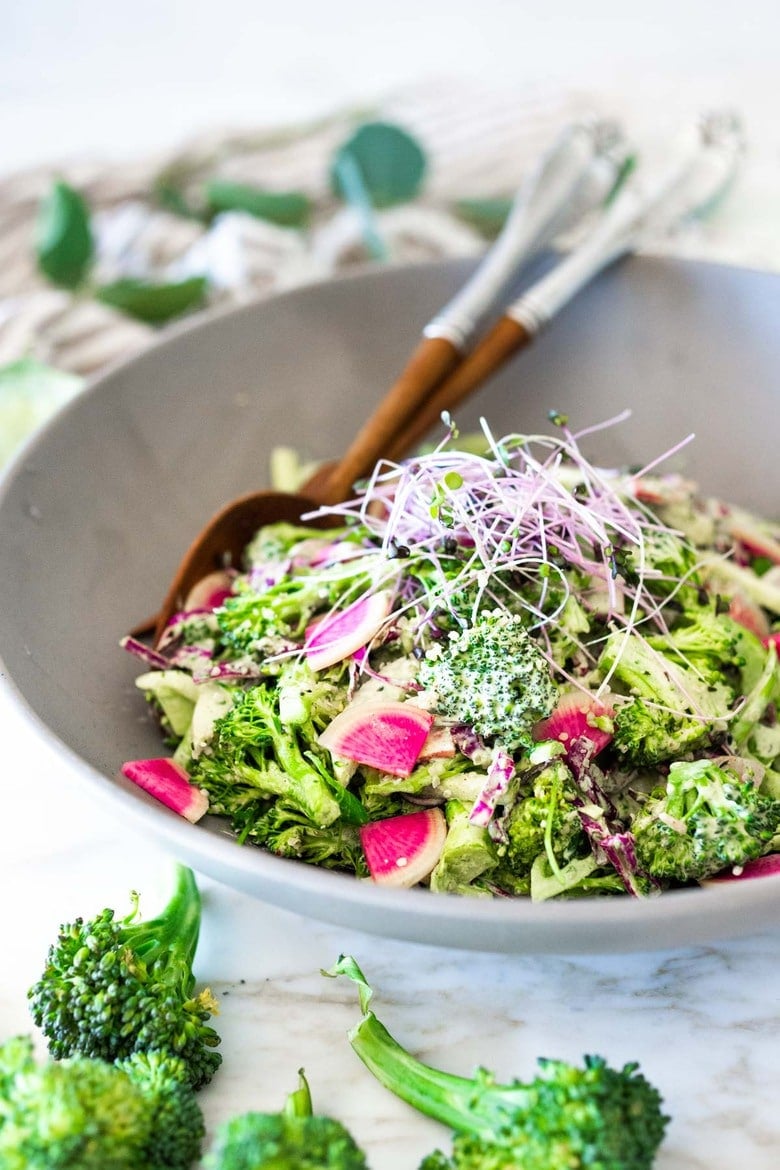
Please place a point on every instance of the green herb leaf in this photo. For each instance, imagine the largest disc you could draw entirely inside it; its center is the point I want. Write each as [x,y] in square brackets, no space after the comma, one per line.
[64,243]
[285,208]
[30,392]
[154,303]
[392,164]
[488,216]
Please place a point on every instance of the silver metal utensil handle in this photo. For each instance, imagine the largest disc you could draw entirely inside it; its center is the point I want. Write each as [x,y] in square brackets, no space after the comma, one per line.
[636,215]
[574,176]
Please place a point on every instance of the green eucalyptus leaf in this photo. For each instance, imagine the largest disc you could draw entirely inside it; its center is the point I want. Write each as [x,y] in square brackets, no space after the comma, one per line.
[63,242]
[285,208]
[392,164]
[154,303]
[30,392]
[488,216]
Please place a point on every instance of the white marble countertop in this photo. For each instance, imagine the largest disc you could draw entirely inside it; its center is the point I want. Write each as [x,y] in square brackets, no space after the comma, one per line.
[702,1022]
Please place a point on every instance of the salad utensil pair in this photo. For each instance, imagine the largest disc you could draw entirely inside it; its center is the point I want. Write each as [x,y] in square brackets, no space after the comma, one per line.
[572,179]
[577,174]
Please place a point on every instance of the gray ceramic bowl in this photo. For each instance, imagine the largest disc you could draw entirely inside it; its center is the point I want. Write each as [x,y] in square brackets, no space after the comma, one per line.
[105,500]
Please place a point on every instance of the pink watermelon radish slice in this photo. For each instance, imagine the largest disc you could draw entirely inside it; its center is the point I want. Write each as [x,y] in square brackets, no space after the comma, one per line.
[753,538]
[401,851]
[387,736]
[169,783]
[574,717]
[209,592]
[335,637]
[768,866]
[749,615]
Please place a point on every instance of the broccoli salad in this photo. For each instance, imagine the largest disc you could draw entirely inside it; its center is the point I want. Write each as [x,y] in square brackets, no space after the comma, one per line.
[506,673]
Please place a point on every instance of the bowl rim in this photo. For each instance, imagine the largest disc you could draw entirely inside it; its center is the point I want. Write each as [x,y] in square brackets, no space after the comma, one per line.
[251,867]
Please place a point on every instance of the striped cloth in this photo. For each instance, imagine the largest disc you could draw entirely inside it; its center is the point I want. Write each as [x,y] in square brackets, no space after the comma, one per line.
[480,143]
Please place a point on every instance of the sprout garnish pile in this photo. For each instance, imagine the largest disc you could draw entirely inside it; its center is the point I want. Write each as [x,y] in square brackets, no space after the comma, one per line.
[507,673]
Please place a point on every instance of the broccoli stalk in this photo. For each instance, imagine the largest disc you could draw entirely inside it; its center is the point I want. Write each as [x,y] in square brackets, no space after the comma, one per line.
[294,1139]
[468,853]
[85,1114]
[566,1116]
[705,820]
[113,988]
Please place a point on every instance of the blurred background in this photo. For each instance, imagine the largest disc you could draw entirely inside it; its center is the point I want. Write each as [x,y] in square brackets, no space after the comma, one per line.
[120,79]
[138,108]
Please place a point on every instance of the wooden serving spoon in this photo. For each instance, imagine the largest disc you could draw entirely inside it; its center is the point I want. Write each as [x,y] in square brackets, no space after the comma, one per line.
[573,178]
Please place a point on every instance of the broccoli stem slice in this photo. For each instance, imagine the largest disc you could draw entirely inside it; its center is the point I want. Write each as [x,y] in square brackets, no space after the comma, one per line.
[171,938]
[467,1105]
[298,1103]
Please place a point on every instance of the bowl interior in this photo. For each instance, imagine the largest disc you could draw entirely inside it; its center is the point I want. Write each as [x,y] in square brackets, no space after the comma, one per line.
[96,513]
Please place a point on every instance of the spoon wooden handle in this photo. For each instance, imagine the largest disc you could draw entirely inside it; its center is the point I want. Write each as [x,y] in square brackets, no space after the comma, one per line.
[430,362]
[506,338]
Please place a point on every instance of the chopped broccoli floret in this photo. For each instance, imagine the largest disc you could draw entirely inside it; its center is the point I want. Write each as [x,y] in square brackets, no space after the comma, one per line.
[112,988]
[286,831]
[715,646]
[492,677]
[544,819]
[667,564]
[286,608]
[294,1139]
[84,1114]
[276,542]
[705,820]
[254,757]
[673,709]
[566,1116]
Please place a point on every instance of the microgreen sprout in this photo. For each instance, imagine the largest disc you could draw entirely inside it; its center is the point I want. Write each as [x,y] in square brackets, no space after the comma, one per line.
[505,529]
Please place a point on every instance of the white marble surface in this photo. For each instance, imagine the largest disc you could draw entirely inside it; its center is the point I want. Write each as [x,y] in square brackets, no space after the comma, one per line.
[702,1022]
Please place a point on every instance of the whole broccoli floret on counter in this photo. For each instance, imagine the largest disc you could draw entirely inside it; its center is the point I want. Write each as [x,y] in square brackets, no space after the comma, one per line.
[85,1114]
[112,988]
[705,820]
[673,709]
[253,757]
[177,1128]
[567,1116]
[294,1139]
[492,677]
